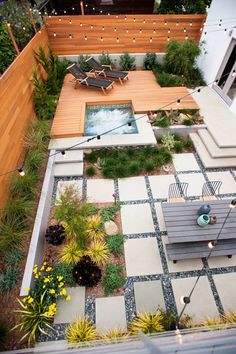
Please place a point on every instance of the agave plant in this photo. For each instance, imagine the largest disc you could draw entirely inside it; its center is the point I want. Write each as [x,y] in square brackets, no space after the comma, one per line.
[98,252]
[86,272]
[147,323]
[55,234]
[71,253]
[80,331]
[95,228]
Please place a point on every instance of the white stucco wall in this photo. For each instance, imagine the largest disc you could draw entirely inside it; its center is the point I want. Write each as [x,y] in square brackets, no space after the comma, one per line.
[216,39]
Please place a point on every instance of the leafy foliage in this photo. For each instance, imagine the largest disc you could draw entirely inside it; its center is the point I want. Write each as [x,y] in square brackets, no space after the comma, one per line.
[7,51]
[8,279]
[127,62]
[115,333]
[95,228]
[80,331]
[108,213]
[4,332]
[147,323]
[169,80]
[115,243]
[112,279]
[98,252]
[105,59]
[55,234]
[182,7]
[168,141]
[64,270]
[24,187]
[71,253]
[149,61]
[83,64]
[86,272]
[13,258]
[11,235]
[91,171]
[38,136]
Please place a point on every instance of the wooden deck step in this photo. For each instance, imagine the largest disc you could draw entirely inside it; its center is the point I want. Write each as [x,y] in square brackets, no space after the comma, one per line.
[214,150]
[205,157]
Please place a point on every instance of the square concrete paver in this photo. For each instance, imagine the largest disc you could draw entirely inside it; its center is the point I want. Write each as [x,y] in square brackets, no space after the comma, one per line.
[62,185]
[183,265]
[69,311]
[226,287]
[100,190]
[148,296]
[160,217]
[218,262]
[110,314]
[142,257]
[160,185]
[185,162]
[202,303]
[133,188]
[136,218]
[228,182]
[195,182]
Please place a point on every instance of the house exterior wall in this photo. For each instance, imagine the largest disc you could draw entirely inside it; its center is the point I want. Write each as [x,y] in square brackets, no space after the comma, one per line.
[221,16]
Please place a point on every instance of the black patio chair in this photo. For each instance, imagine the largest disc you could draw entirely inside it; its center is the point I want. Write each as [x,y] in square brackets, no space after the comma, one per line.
[106,70]
[177,192]
[82,78]
[210,190]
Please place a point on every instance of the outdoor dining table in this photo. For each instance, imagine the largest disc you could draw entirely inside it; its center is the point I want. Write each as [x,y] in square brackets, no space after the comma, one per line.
[181,221]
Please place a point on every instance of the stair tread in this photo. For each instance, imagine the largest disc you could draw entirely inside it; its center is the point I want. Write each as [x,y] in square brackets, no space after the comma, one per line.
[70,156]
[205,157]
[214,150]
[68,169]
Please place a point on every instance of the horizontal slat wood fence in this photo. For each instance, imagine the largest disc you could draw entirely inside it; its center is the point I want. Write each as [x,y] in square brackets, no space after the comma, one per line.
[112,34]
[16,109]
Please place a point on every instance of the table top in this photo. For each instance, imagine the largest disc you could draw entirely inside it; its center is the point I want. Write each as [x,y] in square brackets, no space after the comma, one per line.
[181,221]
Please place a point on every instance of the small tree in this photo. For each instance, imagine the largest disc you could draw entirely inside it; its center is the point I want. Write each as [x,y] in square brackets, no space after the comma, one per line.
[127,62]
[150,60]
[183,6]
[82,62]
[105,59]
[7,51]
[180,57]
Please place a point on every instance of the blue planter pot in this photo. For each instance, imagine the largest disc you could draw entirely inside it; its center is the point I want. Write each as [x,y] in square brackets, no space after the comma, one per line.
[203,220]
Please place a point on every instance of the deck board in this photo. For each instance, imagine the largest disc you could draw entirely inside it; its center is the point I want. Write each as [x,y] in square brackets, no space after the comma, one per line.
[141,90]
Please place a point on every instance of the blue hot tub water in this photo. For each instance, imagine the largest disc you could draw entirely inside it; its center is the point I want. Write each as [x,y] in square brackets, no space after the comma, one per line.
[102,118]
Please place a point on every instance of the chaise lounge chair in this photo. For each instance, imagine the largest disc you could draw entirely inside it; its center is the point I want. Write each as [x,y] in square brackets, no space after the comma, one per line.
[83,79]
[106,70]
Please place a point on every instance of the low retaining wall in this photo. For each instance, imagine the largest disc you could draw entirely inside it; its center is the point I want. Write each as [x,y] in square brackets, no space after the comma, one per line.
[182,130]
[139,57]
[37,240]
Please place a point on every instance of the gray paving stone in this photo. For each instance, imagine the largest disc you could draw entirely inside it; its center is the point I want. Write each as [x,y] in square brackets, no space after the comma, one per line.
[226,287]
[142,257]
[132,188]
[68,311]
[185,162]
[62,185]
[136,218]
[68,169]
[218,262]
[195,182]
[228,182]
[160,185]
[148,296]
[100,190]
[202,303]
[110,314]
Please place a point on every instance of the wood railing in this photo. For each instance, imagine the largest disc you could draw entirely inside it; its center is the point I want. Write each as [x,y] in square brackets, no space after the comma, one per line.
[112,34]
[16,109]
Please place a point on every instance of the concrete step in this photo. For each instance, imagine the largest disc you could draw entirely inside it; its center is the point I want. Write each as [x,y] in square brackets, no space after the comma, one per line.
[214,150]
[70,156]
[68,169]
[207,160]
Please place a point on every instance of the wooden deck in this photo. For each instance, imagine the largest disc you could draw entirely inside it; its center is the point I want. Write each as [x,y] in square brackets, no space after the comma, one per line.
[141,90]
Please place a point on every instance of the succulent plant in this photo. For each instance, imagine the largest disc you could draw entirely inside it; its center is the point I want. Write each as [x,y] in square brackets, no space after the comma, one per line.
[86,272]
[55,234]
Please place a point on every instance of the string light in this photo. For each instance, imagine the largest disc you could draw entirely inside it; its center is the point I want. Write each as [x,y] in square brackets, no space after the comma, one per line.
[134,19]
[98,137]
[184,300]
[186,37]
[85,38]
[178,102]
[125,18]
[103,28]
[70,36]
[127,30]
[140,31]
[190,24]
[63,152]
[154,31]
[184,30]
[93,8]
[70,22]
[101,39]
[117,40]
[54,34]
[168,38]
[73,9]
[117,16]
[165,23]
[150,40]
[81,24]
[64,11]
[129,125]
[21,171]
[212,244]
[100,11]
[144,21]
[215,82]
[86,5]
[198,90]
[177,23]
[154,22]
[169,30]
[91,27]
[115,29]
[233,73]
[59,19]
[133,40]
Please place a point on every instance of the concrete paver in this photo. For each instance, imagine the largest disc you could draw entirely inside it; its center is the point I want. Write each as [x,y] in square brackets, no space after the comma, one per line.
[132,188]
[148,296]
[136,218]
[110,314]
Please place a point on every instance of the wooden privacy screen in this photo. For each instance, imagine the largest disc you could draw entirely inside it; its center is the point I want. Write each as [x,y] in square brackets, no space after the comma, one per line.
[130,33]
[16,109]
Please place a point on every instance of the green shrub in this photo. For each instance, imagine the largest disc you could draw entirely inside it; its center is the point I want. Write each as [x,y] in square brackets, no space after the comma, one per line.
[64,270]
[11,235]
[169,80]
[127,62]
[165,155]
[83,64]
[188,143]
[134,168]
[13,258]
[18,208]
[183,7]
[179,147]
[163,122]
[108,213]
[81,331]
[147,323]
[91,171]
[149,61]
[177,137]
[7,51]
[24,187]
[34,160]
[4,332]
[149,166]
[38,136]
[105,59]
[195,78]
[8,279]
[115,243]
[112,278]
[91,157]
[188,122]
[168,141]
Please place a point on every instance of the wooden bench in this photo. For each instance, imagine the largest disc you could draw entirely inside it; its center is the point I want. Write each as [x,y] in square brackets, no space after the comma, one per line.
[186,250]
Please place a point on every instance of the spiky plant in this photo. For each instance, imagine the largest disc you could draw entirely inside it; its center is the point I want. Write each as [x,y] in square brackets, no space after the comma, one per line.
[86,272]
[81,331]
[98,252]
[211,321]
[147,323]
[115,333]
[38,136]
[71,253]
[95,228]
[11,235]
[229,317]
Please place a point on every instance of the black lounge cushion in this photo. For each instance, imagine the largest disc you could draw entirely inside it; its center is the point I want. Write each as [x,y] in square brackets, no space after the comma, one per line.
[114,74]
[84,79]
[96,82]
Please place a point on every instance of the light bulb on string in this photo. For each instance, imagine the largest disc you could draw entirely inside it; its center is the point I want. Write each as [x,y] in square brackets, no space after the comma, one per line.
[165,23]
[215,82]
[190,24]
[55,13]
[103,28]
[81,24]
[70,22]
[177,23]
[168,38]
[129,125]
[98,137]
[93,8]
[100,11]
[154,22]
[150,40]
[101,39]
[184,300]
[21,171]
[140,31]
[50,16]
[201,29]
[184,30]
[63,152]
[144,21]
[115,29]
[117,40]
[186,37]
[133,40]
[86,5]
[85,38]
[127,30]
[40,31]
[233,73]
[212,244]
[225,29]
[134,19]
[59,19]
[178,102]
[169,30]
[23,28]
[73,9]
[117,16]
[108,14]
[64,11]
[54,34]
[91,27]
[198,90]
[125,18]
[154,31]
[70,36]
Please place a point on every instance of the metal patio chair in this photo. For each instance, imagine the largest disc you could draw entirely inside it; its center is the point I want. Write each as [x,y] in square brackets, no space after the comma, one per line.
[177,192]
[210,190]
